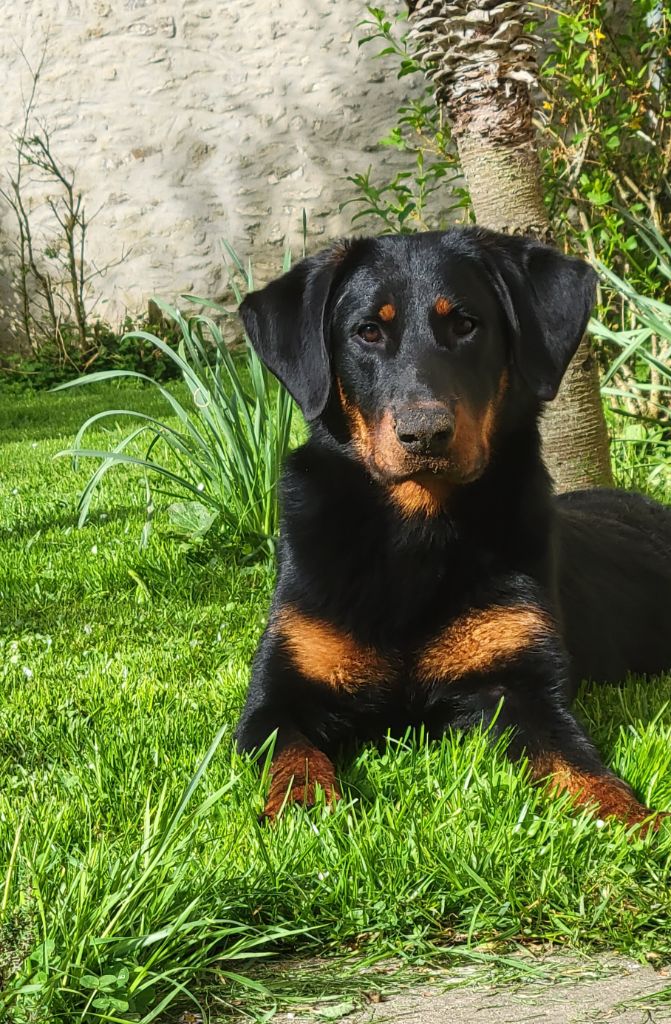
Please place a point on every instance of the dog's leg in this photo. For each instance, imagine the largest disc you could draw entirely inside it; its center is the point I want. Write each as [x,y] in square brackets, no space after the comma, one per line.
[298,769]
[562,755]
[276,706]
[506,666]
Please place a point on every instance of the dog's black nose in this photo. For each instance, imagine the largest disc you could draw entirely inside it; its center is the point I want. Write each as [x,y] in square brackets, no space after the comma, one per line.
[425,430]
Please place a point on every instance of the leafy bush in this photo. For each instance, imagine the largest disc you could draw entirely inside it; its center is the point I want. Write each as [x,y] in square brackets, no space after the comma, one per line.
[222,459]
[607,131]
[62,359]
[636,379]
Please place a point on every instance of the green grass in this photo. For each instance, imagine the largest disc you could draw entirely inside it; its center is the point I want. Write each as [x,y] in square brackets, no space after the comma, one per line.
[122,888]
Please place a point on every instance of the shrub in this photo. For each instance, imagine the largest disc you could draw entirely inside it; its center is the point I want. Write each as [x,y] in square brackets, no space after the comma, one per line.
[636,379]
[62,359]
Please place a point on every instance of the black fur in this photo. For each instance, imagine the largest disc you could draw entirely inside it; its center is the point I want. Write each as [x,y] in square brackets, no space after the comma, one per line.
[598,563]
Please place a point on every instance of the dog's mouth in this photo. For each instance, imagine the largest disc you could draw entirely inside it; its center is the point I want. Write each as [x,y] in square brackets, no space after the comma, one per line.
[427,474]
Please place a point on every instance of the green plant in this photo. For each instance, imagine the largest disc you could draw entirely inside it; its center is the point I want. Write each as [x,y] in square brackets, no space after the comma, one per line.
[123,958]
[225,454]
[403,203]
[107,348]
[636,376]
[52,275]
[606,129]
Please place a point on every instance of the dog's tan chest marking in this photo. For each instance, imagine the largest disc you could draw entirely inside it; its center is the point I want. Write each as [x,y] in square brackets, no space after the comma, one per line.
[329,655]
[480,641]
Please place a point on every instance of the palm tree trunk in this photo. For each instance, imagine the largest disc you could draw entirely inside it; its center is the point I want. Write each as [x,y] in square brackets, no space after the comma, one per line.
[489,107]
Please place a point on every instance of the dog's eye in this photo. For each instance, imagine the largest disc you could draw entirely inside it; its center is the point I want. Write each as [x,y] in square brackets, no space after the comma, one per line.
[370,333]
[462,324]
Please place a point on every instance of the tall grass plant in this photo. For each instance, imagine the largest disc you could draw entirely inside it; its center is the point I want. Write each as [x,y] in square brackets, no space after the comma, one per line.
[221,455]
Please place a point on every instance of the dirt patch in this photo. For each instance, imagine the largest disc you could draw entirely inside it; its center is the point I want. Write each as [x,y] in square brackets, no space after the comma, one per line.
[611,991]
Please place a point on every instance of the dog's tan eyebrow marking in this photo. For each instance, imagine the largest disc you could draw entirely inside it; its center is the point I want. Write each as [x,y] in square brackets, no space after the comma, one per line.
[387,312]
[482,640]
[443,306]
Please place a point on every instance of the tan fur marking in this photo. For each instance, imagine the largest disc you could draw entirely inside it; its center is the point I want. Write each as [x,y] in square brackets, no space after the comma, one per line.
[413,498]
[474,432]
[610,796]
[361,434]
[489,419]
[296,772]
[443,306]
[379,447]
[482,640]
[322,652]
[387,312]
[428,492]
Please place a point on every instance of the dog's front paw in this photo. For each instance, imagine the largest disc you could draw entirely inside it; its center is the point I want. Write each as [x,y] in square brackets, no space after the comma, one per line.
[297,772]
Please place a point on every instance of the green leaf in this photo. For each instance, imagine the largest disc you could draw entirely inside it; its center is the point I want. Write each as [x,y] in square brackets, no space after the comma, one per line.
[191,518]
[336,1012]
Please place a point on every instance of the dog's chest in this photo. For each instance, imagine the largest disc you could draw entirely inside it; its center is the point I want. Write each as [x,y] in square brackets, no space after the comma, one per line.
[474,642]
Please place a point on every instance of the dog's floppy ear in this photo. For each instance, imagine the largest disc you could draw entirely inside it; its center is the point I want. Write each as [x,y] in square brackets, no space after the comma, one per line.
[548,298]
[285,324]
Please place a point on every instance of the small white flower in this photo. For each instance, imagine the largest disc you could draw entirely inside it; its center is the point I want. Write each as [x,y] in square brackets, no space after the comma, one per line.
[88,629]
[200,487]
[34,444]
[323,875]
[599,823]
[28,672]
[94,549]
[15,490]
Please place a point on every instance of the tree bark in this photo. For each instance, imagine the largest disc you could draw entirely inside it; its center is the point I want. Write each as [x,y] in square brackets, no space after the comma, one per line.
[504,184]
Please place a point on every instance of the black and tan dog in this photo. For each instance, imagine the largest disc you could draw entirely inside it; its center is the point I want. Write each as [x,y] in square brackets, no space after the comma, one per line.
[427,573]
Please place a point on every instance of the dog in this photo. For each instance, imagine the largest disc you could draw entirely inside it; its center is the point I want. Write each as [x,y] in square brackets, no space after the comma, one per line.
[427,573]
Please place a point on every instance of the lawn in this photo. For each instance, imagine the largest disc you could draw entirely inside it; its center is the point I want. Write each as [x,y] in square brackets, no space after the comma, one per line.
[134,874]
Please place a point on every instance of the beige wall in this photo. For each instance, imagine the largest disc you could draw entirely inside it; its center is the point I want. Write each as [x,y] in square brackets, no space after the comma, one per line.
[198,121]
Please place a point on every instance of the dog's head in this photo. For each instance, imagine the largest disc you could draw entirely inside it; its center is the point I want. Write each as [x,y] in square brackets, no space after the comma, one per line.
[421,340]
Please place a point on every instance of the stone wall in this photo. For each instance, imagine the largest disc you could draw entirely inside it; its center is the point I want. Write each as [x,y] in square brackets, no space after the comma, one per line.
[195,121]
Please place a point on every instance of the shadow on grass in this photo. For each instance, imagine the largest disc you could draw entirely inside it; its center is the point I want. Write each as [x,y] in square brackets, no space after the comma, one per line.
[68,521]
